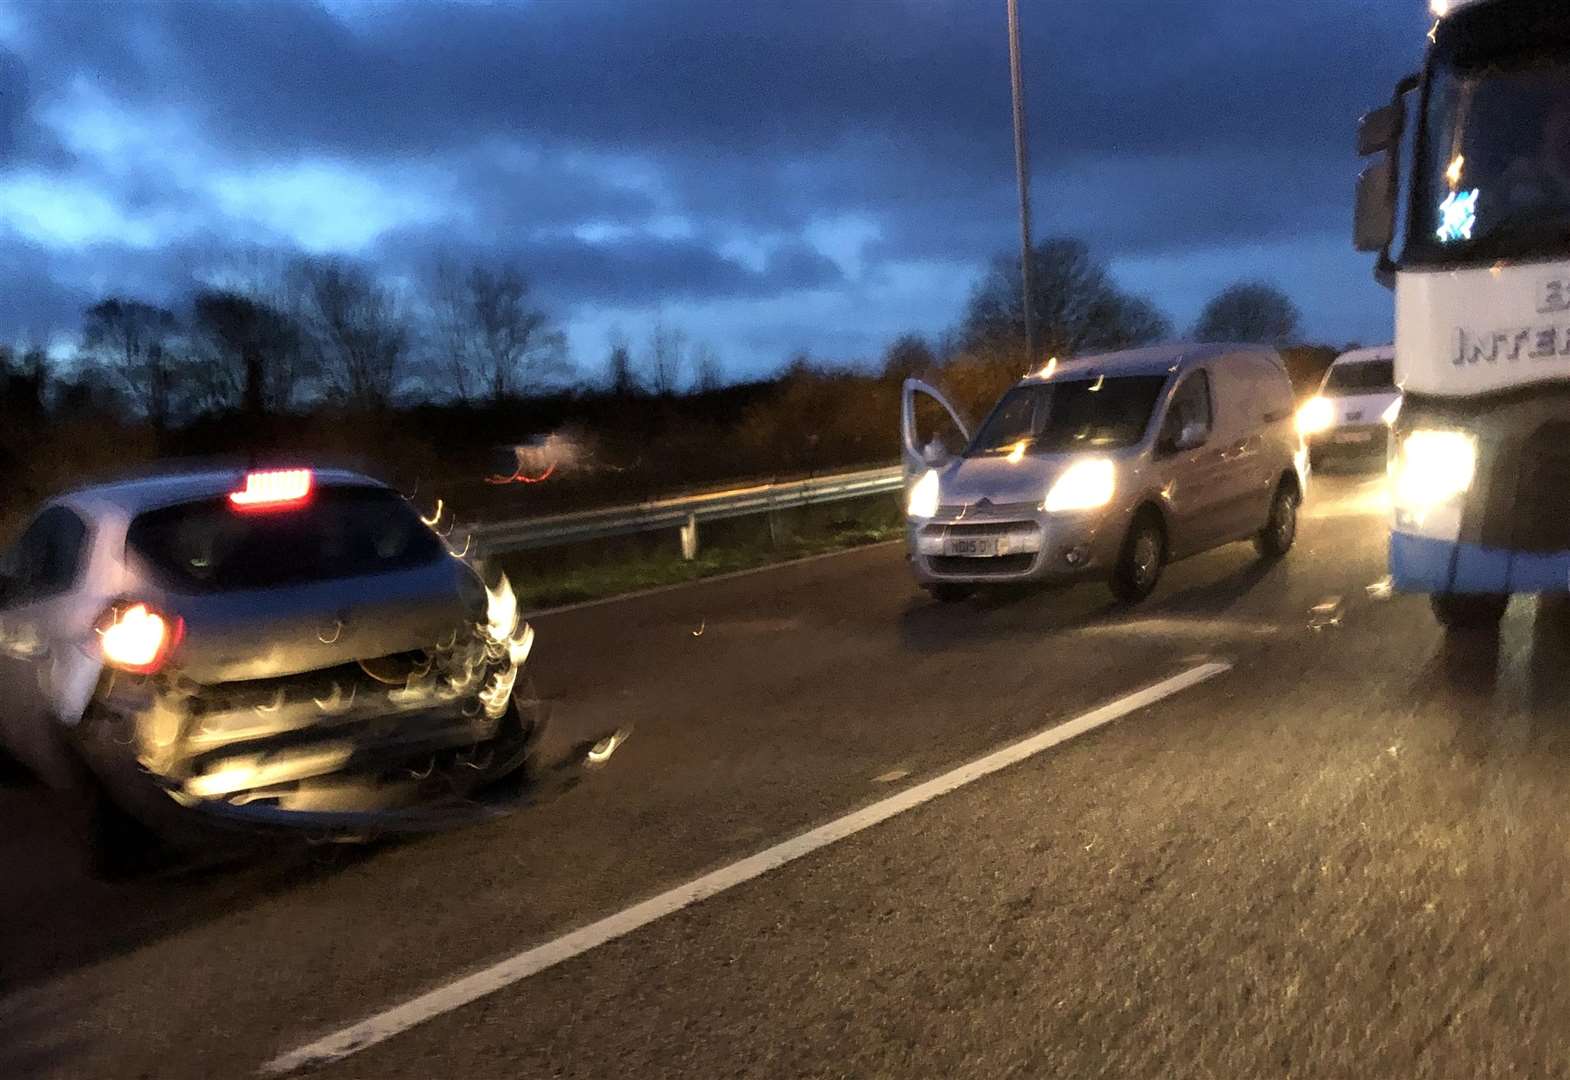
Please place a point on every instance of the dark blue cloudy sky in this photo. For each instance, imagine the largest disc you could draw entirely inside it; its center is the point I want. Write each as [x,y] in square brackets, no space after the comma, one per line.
[768,175]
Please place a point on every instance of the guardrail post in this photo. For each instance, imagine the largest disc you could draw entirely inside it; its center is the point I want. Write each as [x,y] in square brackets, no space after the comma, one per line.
[689,538]
[773,517]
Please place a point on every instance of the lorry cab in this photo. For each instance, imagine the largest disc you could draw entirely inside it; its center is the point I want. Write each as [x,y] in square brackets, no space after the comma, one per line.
[1476,245]
[1107,466]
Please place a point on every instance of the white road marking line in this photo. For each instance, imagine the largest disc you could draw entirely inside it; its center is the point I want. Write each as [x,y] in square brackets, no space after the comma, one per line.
[455,995]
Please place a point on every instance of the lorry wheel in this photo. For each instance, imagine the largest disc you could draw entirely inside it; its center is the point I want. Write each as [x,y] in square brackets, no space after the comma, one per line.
[1469,611]
[1280,531]
[1138,568]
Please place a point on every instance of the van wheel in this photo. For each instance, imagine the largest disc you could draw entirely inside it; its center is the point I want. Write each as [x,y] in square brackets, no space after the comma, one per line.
[950,594]
[1280,531]
[1138,568]
[1469,611]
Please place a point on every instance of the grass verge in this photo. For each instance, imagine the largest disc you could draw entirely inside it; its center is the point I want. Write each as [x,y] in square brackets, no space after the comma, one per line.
[564,576]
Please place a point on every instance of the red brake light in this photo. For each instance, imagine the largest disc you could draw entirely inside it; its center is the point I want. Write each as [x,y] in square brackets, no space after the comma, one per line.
[137,639]
[272,490]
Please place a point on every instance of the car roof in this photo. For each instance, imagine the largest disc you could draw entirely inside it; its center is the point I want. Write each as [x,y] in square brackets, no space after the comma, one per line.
[1361,356]
[1151,360]
[136,494]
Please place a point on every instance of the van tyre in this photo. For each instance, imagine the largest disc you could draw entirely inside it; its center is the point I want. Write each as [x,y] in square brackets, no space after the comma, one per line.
[1138,568]
[1469,611]
[1280,531]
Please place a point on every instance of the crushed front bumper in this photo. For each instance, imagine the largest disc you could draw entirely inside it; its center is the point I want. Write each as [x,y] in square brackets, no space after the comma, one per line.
[340,751]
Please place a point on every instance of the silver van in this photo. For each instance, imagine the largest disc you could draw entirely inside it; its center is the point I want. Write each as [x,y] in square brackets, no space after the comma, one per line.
[1107,466]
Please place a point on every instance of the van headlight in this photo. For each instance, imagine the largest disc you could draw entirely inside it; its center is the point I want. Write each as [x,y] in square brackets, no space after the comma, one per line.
[1431,471]
[1085,485]
[1316,415]
[923,501]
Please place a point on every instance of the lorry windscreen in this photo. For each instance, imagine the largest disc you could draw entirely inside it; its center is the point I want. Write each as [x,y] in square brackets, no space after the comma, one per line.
[1492,173]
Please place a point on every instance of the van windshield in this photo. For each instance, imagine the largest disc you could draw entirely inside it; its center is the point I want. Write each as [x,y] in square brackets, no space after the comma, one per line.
[1362,377]
[1056,417]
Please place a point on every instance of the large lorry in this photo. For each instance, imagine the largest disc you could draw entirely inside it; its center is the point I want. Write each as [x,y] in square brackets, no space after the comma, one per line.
[1480,451]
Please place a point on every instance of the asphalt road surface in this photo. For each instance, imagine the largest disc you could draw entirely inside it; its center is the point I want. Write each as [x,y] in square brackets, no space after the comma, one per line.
[1340,850]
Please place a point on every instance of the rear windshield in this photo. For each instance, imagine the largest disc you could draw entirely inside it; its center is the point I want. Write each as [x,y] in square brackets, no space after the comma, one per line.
[1053,417]
[340,532]
[1365,376]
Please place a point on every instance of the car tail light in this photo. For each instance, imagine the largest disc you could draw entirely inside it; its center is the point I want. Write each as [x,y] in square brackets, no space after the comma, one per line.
[275,489]
[137,639]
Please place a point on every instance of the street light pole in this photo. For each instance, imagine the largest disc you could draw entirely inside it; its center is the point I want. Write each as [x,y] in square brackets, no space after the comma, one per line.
[1022,168]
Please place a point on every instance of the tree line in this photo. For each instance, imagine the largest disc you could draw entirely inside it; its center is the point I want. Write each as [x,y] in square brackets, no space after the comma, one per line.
[327,330]
[323,329]
[318,356]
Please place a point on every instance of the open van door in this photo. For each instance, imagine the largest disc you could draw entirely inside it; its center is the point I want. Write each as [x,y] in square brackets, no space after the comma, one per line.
[929,437]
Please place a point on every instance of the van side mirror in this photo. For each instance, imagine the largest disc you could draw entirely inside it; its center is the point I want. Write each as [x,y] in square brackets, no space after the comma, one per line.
[938,451]
[1188,437]
[1193,435]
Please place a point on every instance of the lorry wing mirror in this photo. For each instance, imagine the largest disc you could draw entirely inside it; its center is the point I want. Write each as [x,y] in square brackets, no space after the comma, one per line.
[1380,130]
[1375,222]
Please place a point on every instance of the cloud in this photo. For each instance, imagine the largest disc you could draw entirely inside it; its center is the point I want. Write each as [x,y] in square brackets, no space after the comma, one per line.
[638,270]
[692,150]
[37,303]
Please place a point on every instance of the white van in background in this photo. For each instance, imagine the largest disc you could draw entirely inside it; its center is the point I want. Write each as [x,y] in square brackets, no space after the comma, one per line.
[1350,416]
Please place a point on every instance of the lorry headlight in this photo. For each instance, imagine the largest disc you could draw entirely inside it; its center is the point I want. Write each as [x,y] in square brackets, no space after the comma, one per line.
[1433,468]
[1316,415]
[1085,485]
[923,501]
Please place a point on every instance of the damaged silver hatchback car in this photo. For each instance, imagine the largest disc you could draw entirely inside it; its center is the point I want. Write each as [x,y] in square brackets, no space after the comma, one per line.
[289,649]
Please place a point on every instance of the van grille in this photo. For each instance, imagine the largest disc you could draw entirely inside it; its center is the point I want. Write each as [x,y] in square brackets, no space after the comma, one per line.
[998,564]
[991,510]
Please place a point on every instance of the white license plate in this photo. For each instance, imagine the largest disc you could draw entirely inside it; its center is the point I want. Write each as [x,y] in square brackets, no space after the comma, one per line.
[1353,437]
[971,547]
